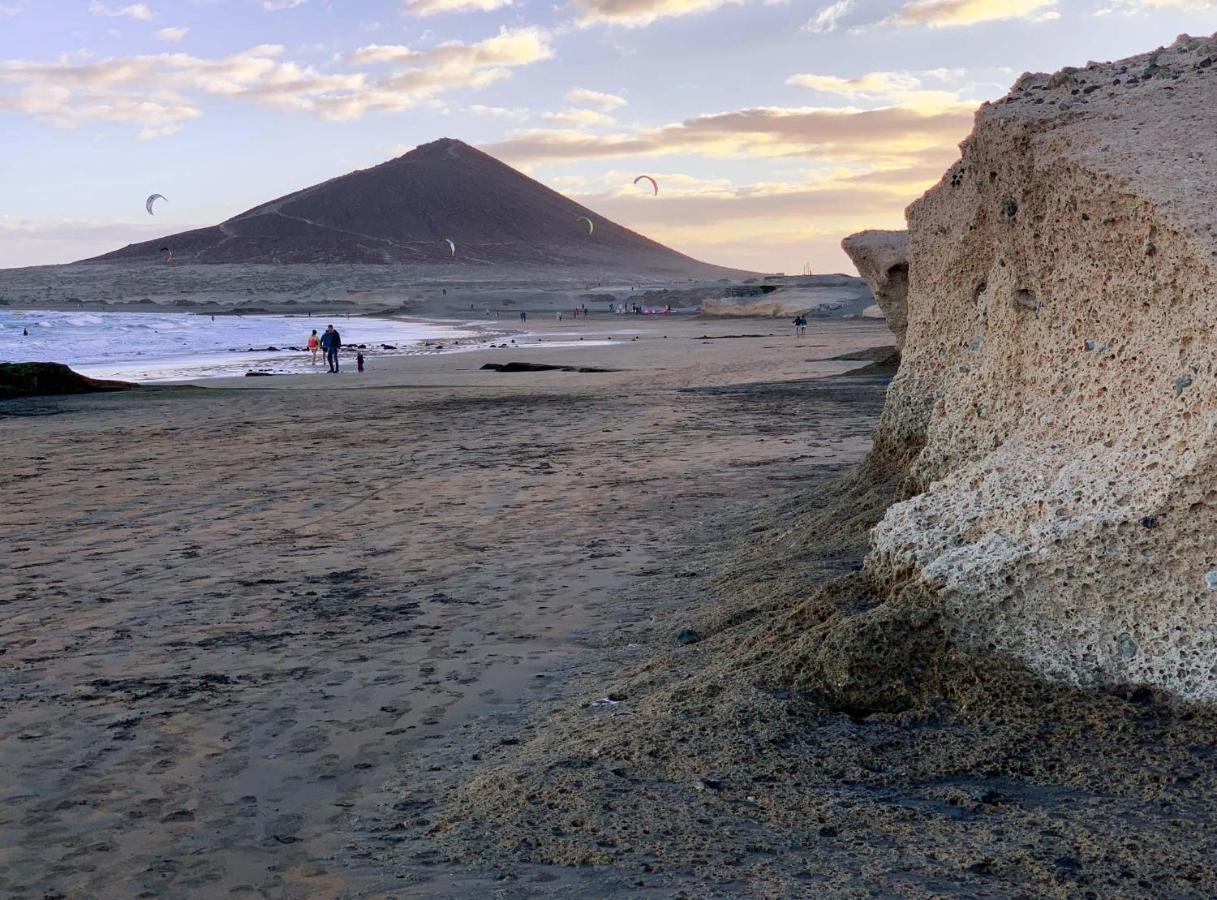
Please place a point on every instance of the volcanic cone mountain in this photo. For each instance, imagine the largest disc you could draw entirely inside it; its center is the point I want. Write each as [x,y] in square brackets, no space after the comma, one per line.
[406,210]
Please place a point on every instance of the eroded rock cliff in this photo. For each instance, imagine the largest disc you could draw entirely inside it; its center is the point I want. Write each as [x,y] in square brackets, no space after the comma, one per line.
[1059,370]
[882,261]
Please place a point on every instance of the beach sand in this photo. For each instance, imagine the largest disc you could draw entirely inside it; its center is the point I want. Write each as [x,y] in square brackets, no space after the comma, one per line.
[250,629]
[438,631]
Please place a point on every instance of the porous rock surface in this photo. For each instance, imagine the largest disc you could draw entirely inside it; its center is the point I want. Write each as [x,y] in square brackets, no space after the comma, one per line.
[1058,370]
[883,262]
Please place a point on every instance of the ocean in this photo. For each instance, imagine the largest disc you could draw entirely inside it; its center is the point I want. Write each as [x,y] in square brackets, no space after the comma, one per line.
[172,346]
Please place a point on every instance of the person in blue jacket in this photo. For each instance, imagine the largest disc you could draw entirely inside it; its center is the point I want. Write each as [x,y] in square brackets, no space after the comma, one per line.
[331,341]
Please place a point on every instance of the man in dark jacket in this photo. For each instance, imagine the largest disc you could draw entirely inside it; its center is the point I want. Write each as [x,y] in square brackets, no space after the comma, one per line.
[330,342]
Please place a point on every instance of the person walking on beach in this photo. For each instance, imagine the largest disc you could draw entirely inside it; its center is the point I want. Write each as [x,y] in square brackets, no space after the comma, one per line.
[314,344]
[331,341]
[359,362]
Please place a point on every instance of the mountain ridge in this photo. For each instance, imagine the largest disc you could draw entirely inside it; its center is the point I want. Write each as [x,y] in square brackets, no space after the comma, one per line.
[405,210]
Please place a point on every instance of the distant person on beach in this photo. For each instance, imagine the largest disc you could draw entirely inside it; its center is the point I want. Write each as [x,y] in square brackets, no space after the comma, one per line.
[331,341]
[802,326]
[523,316]
[358,362]
[314,344]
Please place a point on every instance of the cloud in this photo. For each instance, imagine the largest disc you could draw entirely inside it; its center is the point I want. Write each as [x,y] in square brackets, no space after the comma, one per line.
[862,168]
[876,135]
[905,89]
[947,13]
[637,13]
[515,113]
[510,47]
[28,241]
[1133,7]
[769,225]
[8,10]
[437,7]
[161,92]
[280,5]
[171,35]
[829,17]
[596,98]
[138,11]
[579,117]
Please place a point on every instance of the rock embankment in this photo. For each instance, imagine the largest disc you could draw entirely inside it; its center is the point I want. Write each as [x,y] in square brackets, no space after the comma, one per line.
[40,379]
[883,262]
[1058,369]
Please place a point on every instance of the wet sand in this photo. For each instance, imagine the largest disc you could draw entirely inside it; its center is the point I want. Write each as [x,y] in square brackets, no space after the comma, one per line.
[254,636]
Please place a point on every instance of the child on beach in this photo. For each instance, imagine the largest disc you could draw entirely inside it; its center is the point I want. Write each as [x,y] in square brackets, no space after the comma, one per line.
[358,362]
[314,344]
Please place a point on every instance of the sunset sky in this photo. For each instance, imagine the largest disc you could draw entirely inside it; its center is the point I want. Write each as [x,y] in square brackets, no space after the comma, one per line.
[774,128]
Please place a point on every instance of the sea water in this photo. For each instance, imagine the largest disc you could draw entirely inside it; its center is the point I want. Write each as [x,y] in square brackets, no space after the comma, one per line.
[170,346]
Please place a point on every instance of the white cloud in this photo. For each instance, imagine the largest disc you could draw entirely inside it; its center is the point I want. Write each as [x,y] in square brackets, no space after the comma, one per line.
[596,98]
[637,13]
[1133,7]
[280,5]
[159,93]
[138,11]
[905,89]
[172,35]
[514,113]
[877,136]
[437,7]
[8,10]
[829,17]
[948,13]
[579,118]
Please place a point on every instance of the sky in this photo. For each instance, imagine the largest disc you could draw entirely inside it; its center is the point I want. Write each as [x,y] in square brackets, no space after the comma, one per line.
[774,127]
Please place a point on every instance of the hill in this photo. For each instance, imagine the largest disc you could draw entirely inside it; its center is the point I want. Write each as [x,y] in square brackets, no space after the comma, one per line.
[404,211]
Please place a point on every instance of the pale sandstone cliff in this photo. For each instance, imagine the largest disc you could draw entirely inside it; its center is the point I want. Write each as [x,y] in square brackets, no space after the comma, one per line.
[882,261]
[1059,370]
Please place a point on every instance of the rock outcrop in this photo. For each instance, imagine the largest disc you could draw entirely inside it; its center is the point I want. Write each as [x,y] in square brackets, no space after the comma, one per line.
[781,296]
[1058,375]
[883,262]
[41,379]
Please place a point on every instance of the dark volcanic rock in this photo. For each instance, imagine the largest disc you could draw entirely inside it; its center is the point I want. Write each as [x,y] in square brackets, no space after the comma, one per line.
[37,379]
[539,367]
[405,210]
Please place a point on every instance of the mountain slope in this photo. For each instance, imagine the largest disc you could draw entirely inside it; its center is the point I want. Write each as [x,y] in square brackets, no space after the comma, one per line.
[405,210]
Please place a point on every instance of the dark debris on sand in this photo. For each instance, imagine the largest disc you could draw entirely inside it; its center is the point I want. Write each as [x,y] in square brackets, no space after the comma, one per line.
[835,741]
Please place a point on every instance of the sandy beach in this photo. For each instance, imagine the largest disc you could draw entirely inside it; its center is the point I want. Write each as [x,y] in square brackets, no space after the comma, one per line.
[250,629]
[798,485]
[441,631]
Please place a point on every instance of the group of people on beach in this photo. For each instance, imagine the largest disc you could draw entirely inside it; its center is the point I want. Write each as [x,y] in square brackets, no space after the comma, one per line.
[800,325]
[329,343]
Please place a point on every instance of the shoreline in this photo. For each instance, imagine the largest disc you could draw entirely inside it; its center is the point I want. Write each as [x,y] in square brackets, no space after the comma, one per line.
[542,332]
